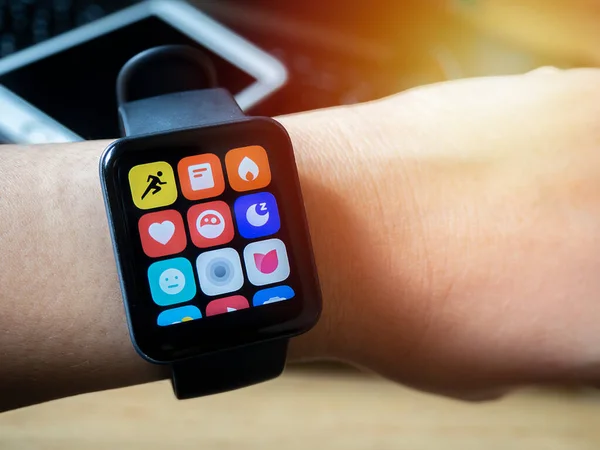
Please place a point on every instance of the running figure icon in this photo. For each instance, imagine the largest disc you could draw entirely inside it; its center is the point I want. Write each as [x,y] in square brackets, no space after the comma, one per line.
[154,184]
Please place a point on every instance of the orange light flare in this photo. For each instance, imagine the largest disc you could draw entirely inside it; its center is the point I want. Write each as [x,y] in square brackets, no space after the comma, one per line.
[435,40]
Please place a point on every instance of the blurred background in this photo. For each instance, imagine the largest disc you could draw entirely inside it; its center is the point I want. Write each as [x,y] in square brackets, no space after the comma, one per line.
[334,52]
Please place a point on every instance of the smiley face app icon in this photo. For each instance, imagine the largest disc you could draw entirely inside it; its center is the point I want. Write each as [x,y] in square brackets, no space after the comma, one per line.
[171,281]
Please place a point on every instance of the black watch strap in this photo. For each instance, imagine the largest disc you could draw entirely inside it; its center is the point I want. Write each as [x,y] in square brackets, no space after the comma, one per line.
[179,110]
[169,88]
[228,370]
[165,89]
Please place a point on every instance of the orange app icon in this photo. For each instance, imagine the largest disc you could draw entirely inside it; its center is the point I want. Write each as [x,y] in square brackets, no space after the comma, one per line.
[201,176]
[248,168]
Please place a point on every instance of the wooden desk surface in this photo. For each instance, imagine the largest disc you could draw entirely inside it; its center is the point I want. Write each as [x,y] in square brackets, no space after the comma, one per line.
[306,409]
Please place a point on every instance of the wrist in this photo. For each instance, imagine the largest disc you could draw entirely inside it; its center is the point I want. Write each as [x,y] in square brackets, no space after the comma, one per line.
[62,311]
[372,252]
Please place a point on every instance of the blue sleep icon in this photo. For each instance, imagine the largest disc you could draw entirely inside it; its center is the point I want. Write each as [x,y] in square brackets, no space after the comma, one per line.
[273,295]
[178,315]
[257,215]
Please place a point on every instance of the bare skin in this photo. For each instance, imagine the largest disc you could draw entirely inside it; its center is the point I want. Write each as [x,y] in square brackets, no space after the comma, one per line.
[456,230]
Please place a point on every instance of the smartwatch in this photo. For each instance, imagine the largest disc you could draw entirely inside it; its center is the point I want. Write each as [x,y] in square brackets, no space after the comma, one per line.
[208,227]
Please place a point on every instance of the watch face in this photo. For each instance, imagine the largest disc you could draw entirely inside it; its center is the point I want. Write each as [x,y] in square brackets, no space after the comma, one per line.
[210,238]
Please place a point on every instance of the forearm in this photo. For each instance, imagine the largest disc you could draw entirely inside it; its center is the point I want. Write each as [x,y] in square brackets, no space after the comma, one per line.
[456,232]
[63,328]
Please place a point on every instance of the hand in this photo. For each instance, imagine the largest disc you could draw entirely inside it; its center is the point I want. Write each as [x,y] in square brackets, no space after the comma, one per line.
[457,232]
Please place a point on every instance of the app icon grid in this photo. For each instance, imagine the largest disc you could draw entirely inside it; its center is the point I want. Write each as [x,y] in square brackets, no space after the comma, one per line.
[256,216]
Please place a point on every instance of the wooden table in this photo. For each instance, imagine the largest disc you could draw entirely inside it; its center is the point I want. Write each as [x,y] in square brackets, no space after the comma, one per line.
[307,409]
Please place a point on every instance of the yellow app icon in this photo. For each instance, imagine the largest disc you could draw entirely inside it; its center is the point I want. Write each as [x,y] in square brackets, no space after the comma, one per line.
[153,185]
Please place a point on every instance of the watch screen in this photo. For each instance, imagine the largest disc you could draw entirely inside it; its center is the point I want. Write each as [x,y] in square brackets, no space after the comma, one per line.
[211,238]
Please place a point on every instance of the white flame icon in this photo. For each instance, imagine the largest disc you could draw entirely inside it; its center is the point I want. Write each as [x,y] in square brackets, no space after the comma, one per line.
[248,170]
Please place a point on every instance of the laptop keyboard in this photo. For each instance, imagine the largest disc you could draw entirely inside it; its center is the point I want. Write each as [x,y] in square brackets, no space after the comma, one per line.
[27,22]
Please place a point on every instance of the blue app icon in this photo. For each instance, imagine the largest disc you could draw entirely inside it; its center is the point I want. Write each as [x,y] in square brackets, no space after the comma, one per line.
[178,315]
[257,215]
[273,295]
[171,281]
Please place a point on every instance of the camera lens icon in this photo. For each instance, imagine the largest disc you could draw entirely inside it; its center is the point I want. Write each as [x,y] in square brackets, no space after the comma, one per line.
[220,271]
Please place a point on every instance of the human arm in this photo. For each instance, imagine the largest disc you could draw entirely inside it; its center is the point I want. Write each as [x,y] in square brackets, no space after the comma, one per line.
[456,231]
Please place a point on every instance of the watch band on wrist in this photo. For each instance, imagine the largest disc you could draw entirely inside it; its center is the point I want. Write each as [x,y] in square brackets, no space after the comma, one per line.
[169,88]
[155,100]
[228,370]
[178,111]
